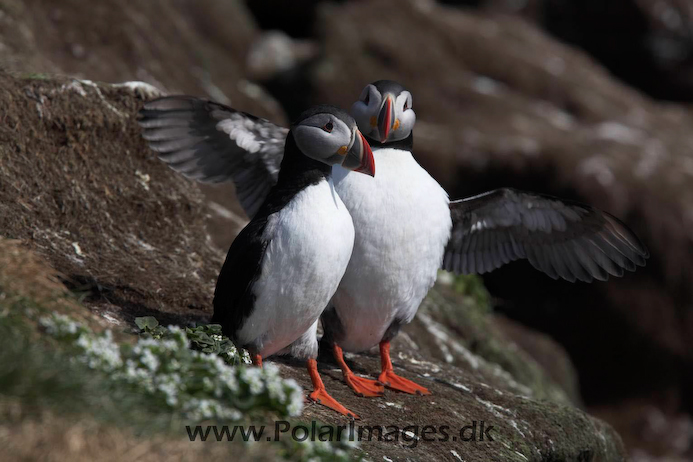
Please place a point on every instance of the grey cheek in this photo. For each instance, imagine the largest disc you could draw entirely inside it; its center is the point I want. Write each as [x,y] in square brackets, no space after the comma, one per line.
[313,143]
[334,159]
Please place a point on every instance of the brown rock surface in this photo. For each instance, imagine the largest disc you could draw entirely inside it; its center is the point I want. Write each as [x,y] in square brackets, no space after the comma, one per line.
[180,47]
[79,187]
[499,103]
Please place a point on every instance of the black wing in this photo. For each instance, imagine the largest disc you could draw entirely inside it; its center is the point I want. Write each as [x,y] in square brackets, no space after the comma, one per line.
[213,143]
[233,296]
[561,238]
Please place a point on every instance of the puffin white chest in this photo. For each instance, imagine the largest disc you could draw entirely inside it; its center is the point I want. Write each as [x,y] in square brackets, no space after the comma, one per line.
[310,243]
[402,222]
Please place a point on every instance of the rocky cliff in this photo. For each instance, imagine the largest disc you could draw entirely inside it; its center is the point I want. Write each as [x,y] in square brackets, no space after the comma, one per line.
[81,189]
[500,102]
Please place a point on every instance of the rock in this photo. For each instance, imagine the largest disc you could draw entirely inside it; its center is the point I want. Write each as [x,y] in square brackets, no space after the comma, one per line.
[79,187]
[548,354]
[500,103]
[474,373]
[650,49]
[177,47]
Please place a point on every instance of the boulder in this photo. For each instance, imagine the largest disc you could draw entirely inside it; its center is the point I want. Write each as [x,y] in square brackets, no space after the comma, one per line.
[198,48]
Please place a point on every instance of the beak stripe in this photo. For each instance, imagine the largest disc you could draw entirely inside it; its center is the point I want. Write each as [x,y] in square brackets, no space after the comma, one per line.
[367,162]
[385,119]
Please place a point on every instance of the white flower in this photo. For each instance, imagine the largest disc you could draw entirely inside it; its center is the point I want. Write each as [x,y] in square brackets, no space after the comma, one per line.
[59,325]
[295,406]
[149,360]
[253,377]
[227,376]
[276,390]
[169,370]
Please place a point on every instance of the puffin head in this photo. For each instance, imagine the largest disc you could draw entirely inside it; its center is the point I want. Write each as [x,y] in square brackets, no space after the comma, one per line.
[384,111]
[330,135]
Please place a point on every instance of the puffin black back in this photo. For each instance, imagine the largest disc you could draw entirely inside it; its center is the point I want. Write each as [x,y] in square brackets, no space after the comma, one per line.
[233,297]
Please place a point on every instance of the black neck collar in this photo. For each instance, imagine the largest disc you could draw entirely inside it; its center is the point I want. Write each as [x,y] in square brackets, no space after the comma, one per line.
[296,173]
[296,166]
[407,144]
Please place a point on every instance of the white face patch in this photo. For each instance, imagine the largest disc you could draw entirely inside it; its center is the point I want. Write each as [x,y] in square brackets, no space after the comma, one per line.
[322,136]
[405,117]
[365,111]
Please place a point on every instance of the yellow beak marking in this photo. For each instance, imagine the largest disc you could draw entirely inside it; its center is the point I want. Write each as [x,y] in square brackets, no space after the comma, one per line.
[395,126]
[343,150]
[374,121]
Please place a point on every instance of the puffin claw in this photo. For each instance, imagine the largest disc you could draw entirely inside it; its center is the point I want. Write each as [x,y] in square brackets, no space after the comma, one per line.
[321,397]
[364,387]
[395,382]
[361,386]
[319,394]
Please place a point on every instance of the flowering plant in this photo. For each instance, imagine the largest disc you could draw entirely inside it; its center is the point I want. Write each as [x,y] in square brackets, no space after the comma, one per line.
[213,384]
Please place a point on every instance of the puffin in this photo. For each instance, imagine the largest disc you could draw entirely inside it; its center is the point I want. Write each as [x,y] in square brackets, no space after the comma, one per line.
[284,267]
[406,228]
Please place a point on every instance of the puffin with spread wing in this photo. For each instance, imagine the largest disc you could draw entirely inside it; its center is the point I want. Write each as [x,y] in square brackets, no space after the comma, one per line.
[405,226]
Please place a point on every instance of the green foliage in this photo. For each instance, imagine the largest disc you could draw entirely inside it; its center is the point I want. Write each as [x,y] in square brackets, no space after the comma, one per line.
[34,76]
[340,451]
[206,338]
[40,376]
[472,286]
[68,375]
[149,324]
[163,366]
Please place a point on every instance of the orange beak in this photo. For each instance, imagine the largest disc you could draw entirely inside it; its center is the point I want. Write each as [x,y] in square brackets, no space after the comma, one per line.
[360,157]
[386,118]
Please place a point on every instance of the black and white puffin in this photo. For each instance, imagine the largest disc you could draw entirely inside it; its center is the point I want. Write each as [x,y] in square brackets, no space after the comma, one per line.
[406,228]
[285,265]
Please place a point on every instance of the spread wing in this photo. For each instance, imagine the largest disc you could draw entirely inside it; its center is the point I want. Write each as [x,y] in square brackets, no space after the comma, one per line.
[561,238]
[213,143]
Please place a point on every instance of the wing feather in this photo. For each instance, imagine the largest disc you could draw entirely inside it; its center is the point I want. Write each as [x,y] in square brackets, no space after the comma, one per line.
[563,239]
[212,143]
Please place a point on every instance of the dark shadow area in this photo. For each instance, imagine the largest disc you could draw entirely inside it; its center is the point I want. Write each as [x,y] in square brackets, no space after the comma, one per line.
[127,301]
[620,35]
[296,18]
[463,3]
[615,359]
[648,46]
[292,89]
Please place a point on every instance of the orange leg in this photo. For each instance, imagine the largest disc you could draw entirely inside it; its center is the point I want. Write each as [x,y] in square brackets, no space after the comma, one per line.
[394,381]
[320,395]
[362,387]
[257,360]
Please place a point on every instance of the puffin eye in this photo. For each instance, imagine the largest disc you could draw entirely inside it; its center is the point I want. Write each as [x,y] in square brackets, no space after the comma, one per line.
[367,98]
[328,127]
[406,105]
